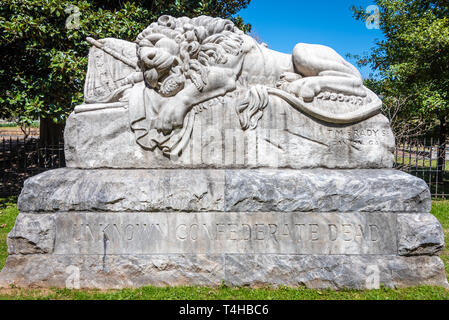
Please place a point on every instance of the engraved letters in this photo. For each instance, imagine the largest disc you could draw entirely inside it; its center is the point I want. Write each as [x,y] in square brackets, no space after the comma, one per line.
[300,233]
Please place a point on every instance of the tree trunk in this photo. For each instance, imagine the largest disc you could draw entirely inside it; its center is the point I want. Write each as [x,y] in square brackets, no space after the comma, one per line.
[441,155]
[50,133]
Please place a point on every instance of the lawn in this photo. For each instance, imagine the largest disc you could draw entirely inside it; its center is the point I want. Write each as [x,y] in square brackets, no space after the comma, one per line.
[8,213]
[419,163]
[34,124]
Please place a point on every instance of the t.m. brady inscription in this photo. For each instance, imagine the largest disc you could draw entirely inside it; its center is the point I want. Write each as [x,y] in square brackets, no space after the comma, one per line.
[349,133]
[368,136]
[217,233]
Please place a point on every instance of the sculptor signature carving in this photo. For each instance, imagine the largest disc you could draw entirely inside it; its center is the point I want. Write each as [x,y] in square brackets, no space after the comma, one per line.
[181,65]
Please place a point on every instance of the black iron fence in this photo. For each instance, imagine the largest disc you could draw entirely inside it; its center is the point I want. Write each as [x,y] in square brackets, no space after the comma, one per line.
[22,158]
[426,159]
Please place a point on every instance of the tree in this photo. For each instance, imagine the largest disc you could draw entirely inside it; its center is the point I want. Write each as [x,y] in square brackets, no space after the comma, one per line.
[395,106]
[44,52]
[413,60]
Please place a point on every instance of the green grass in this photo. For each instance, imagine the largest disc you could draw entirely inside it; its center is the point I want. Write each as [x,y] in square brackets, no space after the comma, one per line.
[227,293]
[441,210]
[8,125]
[8,213]
[419,163]
[34,124]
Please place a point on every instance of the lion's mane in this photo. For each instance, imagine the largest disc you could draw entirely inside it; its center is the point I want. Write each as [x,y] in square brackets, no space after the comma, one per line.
[196,43]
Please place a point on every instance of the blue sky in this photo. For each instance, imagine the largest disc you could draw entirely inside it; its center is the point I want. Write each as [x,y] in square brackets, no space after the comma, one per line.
[283,23]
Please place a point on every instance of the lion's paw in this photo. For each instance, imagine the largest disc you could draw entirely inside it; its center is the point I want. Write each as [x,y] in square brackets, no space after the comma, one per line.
[303,88]
[169,119]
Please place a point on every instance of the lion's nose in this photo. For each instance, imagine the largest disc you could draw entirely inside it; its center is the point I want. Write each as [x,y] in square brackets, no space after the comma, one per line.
[147,55]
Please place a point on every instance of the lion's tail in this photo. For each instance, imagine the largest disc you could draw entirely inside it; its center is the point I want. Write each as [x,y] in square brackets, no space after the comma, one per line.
[369,111]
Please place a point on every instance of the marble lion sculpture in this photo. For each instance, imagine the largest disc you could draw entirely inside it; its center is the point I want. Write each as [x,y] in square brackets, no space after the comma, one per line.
[177,64]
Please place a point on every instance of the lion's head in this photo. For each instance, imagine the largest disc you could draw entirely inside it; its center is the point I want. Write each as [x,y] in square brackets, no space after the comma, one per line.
[172,50]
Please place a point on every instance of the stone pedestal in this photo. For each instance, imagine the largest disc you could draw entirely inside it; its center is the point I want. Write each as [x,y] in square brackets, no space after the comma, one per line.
[320,228]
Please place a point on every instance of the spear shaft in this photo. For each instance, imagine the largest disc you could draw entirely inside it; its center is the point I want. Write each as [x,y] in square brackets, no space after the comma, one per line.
[111,52]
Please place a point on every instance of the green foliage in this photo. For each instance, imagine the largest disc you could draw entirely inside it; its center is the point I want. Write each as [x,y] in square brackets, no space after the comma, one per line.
[413,60]
[44,52]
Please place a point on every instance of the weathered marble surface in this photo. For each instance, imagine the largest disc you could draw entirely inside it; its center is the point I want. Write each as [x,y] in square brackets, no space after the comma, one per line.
[200,93]
[319,228]
[265,190]
[284,138]
[123,190]
[419,234]
[140,233]
[336,272]
[212,233]
[183,170]
[32,234]
[312,271]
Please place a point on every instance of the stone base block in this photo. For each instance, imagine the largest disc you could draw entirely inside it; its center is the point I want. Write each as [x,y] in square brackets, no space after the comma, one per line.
[318,228]
[312,271]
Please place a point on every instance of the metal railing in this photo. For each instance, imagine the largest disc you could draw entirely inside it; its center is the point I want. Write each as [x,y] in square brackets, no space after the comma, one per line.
[427,159]
[22,158]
